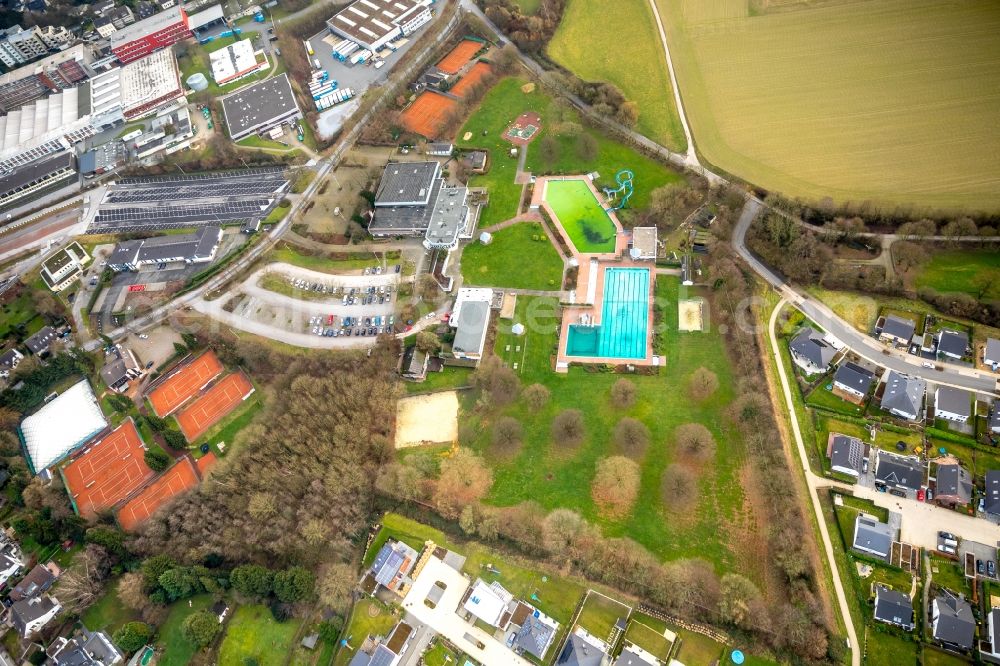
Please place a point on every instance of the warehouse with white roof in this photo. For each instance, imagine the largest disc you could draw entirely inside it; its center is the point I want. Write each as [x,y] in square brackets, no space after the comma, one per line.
[69,421]
[374,23]
[235,61]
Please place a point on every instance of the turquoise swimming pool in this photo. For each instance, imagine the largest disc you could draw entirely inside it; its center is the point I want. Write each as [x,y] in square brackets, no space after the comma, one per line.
[624,319]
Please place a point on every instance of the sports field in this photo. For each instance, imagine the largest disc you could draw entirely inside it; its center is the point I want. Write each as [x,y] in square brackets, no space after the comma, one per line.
[893,101]
[619,43]
[225,396]
[107,472]
[176,480]
[184,383]
[458,56]
[581,215]
[475,74]
[428,114]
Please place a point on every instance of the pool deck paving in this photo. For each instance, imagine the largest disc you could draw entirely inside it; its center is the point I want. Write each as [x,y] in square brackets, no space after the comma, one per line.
[587,300]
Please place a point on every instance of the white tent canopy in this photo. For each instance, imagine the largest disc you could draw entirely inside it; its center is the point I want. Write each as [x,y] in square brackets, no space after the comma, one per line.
[70,420]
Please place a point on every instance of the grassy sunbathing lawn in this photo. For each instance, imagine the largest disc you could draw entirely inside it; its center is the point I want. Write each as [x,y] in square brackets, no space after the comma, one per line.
[600,614]
[524,245]
[648,639]
[975,272]
[253,634]
[647,85]
[505,102]
[720,525]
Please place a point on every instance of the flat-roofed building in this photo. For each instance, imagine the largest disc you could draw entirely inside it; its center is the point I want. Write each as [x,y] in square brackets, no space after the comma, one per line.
[61,268]
[136,89]
[19,45]
[643,246]
[169,132]
[412,200]
[374,23]
[235,62]
[195,248]
[27,180]
[144,37]
[449,219]
[260,107]
[471,321]
[44,77]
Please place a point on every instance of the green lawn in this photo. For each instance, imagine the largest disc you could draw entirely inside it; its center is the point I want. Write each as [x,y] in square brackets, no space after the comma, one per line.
[636,65]
[581,215]
[20,312]
[528,6]
[821,396]
[108,613]
[177,651]
[948,574]
[364,623]
[601,613]
[648,639]
[698,649]
[501,105]
[253,633]
[520,257]
[975,272]
[196,59]
[934,657]
[885,649]
[440,655]
[543,473]
[323,263]
[448,378]
[255,141]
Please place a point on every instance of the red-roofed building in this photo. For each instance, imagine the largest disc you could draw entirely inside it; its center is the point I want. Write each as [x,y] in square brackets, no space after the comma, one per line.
[157,32]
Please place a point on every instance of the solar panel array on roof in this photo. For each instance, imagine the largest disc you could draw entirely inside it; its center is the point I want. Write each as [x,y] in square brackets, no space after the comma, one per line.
[389,569]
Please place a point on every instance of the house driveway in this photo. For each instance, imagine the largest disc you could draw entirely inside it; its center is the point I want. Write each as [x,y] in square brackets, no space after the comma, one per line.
[445,621]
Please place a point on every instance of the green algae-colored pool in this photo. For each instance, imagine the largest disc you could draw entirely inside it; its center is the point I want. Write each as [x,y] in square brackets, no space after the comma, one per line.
[581,215]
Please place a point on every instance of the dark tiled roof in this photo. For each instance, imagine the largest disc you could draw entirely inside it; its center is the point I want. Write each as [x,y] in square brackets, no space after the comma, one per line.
[855,377]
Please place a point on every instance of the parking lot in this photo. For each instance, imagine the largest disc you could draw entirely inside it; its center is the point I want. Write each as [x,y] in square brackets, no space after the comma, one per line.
[978,558]
[172,202]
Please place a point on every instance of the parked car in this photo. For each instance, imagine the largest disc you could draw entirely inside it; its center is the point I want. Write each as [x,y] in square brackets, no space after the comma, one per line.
[991,569]
[920,495]
[979,567]
[930,494]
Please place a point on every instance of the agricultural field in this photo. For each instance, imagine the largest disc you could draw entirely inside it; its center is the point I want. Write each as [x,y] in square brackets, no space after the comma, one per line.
[524,245]
[720,525]
[504,102]
[975,272]
[856,101]
[636,65]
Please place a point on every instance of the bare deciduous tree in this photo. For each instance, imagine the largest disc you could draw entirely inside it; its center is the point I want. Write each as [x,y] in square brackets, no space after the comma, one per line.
[623,394]
[703,383]
[631,437]
[464,479]
[695,441]
[616,485]
[678,488]
[567,427]
[536,396]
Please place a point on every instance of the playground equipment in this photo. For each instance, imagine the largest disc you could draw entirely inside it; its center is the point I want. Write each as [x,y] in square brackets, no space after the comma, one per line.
[624,191]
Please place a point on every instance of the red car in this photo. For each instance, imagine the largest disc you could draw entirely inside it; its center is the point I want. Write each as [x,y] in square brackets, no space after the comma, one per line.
[329,320]
[920,495]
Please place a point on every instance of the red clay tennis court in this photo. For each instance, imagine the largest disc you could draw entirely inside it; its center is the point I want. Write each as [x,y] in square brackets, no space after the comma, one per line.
[184,383]
[179,478]
[214,404]
[458,56]
[107,472]
[428,113]
[475,74]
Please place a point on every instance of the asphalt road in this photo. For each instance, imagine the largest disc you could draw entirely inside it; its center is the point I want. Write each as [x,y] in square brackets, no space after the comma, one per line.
[860,343]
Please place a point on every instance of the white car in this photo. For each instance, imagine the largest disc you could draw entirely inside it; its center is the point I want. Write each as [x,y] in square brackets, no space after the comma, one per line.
[143,336]
[928,364]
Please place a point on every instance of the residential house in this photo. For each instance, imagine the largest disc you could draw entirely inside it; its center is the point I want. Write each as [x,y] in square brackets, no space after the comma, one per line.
[904,396]
[994,424]
[993,635]
[846,454]
[88,649]
[872,537]
[413,365]
[992,497]
[853,382]
[897,330]
[991,353]
[384,651]
[28,616]
[40,342]
[120,367]
[904,472]
[952,622]
[63,267]
[582,649]
[391,568]
[10,563]
[37,581]
[952,404]
[9,361]
[810,351]
[633,655]
[953,344]
[954,485]
[488,602]
[536,631]
[893,608]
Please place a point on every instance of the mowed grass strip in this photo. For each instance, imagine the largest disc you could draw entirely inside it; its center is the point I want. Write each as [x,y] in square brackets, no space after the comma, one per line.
[975,272]
[620,43]
[893,102]
[523,245]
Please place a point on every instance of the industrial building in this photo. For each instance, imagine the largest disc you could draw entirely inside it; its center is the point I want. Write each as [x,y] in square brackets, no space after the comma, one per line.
[158,139]
[49,75]
[235,62]
[61,268]
[374,23]
[102,159]
[136,89]
[144,37]
[195,248]
[26,180]
[412,200]
[260,107]
[19,46]
[64,424]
